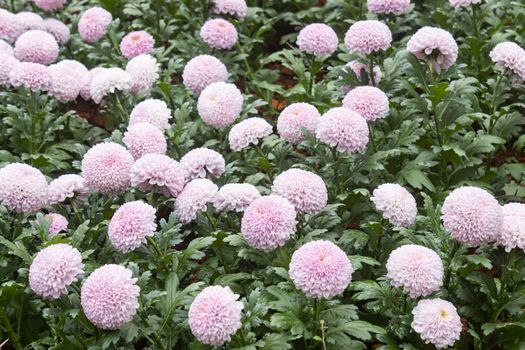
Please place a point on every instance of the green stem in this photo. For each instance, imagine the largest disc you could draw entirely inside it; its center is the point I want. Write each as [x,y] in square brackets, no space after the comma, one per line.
[371,64]
[13,336]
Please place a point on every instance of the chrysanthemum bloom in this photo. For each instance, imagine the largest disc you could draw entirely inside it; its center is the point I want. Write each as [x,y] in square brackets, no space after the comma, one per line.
[159,173]
[6,49]
[69,186]
[108,81]
[436,44]
[130,225]
[66,79]
[58,223]
[22,188]
[10,26]
[268,222]
[320,269]
[106,167]
[247,132]
[236,8]
[295,117]
[151,111]
[53,269]
[93,24]
[136,43]
[472,216]
[317,39]
[215,315]
[7,64]
[396,204]
[144,71]
[509,55]
[358,68]
[202,161]
[220,104]
[417,269]
[57,29]
[109,296]
[343,128]
[85,90]
[437,322]
[194,198]
[366,37]
[458,3]
[32,76]
[29,20]
[36,46]
[370,102]
[143,138]
[219,34]
[235,197]
[201,71]
[395,7]
[49,5]
[513,228]
[304,189]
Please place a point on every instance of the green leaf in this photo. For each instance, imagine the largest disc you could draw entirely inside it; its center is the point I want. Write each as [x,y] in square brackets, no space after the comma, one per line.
[286,321]
[361,330]
[17,248]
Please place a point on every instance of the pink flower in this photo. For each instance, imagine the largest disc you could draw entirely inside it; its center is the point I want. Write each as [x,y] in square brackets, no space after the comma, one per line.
[396,204]
[247,132]
[295,117]
[93,24]
[159,173]
[235,8]
[194,198]
[85,90]
[53,269]
[435,42]
[358,67]
[509,55]
[459,3]
[49,5]
[220,104]
[219,34]
[58,223]
[109,296]
[106,167]
[370,102]
[235,197]
[320,269]
[136,43]
[317,39]
[144,138]
[32,76]
[395,7]
[10,26]
[23,188]
[202,161]
[30,20]
[57,29]
[7,64]
[268,222]
[69,186]
[344,129]
[215,315]
[144,71]
[513,227]
[151,111]
[36,46]
[366,37]
[201,71]
[66,79]
[108,81]
[6,49]
[437,322]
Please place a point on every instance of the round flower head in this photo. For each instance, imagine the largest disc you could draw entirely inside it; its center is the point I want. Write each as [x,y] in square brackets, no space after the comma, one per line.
[85,83]
[58,223]
[136,43]
[396,204]
[295,117]
[358,67]
[108,81]
[202,161]
[235,197]
[23,188]
[395,7]
[130,225]
[7,64]
[66,78]
[458,3]
[109,296]
[513,228]
[106,167]
[144,138]
[32,76]
[57,29]
[436,43]
[6,49]
[236,8]
[144,71]
[248,131]
[437,322]
[320,269]
[317,39]
[220,104]
[417,269]
[29,20]
[155,112]
[343,128]
[268,222]
[472,216]
[49,5]
[304,189]
[370,102]
[10,26]
[36,46]
[366,37]
[159,173]
[215,315]
[53,269]
[69,186]
[194,198]
[93,24]
[510,55]
[219,34]
[201,71]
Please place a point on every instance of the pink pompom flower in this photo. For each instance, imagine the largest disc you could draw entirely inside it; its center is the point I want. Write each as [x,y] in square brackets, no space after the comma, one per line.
[66,79]
[10,26]
[32,76]
[159,173]
[459,3]
[201,71]
[36,46]
[343,128]
[155,112]
[144,138]
[370,102]
[236,8]
[437,322]
[509,55]
[109,296]
[6,49]
[513,227]
[387,7]
[220,104]
[136,43]
[396,204]
[219,34]
[434,42]
[248,131]
[58,223]
[50,5]
[93,24]
[85,90]
[7,64]
[23,188]
[57,29]
[317,39]
[29,20]
[235,197]
[108,81]
[366,37]
[215,315]
[53,269]
[69,186]
[295,117]
[320,269]
[194,198]
[202,161]
[144,71]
